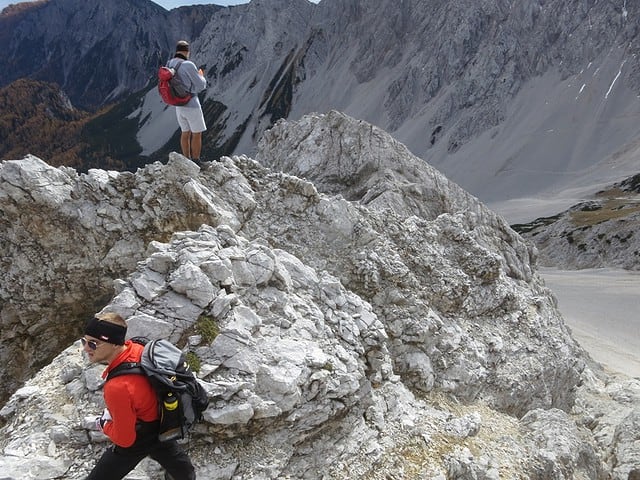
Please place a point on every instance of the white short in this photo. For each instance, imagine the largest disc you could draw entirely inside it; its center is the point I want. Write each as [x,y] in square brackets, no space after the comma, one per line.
[190,119]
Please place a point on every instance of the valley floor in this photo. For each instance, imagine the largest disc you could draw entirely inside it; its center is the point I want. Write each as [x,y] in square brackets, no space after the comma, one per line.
[602,308]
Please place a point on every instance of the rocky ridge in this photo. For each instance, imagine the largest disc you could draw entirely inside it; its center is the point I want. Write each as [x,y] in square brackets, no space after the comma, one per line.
[398,331]
[599,232]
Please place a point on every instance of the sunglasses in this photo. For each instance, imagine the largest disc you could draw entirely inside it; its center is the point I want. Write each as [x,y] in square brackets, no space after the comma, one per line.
[92,343]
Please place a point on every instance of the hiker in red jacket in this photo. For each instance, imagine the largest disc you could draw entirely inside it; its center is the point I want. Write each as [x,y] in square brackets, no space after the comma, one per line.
[130,418]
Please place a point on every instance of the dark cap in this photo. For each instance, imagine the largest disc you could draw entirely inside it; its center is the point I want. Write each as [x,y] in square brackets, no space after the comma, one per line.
[106,331]
[182,46]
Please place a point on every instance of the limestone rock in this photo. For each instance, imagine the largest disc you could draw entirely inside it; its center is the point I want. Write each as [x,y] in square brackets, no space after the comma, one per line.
[336,337]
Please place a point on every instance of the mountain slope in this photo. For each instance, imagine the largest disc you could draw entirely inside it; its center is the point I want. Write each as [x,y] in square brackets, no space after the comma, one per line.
[508,100]
[599,232]
[38,118]
[98,52]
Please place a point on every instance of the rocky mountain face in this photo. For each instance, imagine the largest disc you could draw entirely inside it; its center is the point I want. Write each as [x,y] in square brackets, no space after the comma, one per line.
[437,75]
[97,52]
[370,321]
[508,99]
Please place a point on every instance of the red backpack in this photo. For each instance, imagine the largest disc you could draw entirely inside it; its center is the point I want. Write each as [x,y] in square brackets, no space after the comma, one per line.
[171,90]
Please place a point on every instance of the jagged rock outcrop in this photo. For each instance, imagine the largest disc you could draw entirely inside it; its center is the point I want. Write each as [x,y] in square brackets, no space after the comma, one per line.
[355,340]
[65,237]
[335,150]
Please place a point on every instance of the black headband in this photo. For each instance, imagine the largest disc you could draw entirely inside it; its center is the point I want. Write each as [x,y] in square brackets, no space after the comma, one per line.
[107,331]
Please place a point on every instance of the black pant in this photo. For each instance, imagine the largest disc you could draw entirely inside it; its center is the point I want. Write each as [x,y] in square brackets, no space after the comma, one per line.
[116,461]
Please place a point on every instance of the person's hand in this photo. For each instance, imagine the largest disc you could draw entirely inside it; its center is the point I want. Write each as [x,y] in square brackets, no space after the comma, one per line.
[100,423]
[201,72]
[104,418]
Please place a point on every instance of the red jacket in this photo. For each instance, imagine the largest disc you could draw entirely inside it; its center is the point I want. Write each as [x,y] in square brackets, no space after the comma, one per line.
[129,398]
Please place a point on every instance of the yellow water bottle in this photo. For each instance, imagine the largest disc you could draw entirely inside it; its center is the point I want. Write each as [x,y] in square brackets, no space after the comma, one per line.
[170,402]
[170,418]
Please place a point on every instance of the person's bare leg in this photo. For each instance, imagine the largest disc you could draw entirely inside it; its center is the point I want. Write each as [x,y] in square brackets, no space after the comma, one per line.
[185,144]
[196,145]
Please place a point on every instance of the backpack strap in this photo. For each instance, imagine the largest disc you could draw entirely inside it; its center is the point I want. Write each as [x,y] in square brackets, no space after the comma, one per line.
[175,69]
[126,368]
[175,72]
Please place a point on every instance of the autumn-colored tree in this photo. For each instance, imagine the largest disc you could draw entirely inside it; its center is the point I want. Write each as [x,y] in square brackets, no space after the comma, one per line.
[38,118]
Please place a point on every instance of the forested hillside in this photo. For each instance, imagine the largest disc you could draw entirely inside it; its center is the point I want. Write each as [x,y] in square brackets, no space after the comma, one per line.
[38,118]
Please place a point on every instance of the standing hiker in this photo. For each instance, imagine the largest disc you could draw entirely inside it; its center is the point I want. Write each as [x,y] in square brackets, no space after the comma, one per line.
[131,417]
[190,116]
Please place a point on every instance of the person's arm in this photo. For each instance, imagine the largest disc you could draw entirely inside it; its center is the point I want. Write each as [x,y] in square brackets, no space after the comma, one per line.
[121,429]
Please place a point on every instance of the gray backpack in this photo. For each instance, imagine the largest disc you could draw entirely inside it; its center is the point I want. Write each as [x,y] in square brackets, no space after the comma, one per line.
[181,398]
